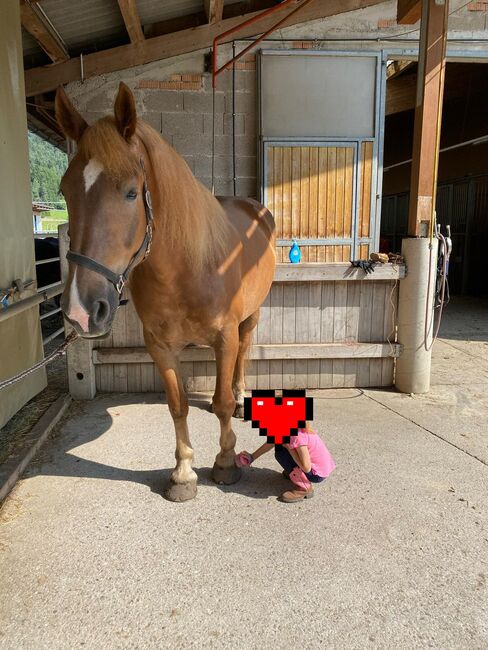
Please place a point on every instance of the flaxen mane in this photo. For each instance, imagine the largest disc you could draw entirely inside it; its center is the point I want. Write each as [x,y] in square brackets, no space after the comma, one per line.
[188,214]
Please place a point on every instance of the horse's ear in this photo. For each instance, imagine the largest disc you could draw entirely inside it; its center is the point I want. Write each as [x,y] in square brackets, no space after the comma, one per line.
[125,112]
[70,121]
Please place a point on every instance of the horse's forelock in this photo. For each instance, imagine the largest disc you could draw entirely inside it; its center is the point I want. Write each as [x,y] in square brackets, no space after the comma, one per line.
[103,142]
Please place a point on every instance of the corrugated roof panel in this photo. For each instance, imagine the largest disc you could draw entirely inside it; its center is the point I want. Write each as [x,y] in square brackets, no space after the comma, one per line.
[84,23]
[153,11]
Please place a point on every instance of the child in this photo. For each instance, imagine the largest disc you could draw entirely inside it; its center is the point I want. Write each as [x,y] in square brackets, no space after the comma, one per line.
[305,460]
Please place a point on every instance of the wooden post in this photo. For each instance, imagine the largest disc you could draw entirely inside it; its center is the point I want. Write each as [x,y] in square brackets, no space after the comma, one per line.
[81,371]
[428,112]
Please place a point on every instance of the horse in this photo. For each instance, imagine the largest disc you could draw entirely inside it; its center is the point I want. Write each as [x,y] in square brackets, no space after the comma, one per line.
[198,266]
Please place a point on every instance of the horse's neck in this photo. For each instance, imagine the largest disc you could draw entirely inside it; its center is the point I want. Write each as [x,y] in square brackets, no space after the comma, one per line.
[192,231]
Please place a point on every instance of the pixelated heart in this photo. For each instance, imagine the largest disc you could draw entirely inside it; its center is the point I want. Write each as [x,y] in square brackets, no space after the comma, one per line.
[278,418]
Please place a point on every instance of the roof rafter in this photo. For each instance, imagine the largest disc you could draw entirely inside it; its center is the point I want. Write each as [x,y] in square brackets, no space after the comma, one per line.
[35,21]
[214,10]
[409,11]
[44,78]
[132,21]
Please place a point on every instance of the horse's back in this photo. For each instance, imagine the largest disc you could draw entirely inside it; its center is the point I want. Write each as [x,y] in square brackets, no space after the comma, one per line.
[241,211]
[256,228]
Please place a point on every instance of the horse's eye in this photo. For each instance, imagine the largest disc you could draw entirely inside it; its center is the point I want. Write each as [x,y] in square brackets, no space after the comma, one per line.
[131,195]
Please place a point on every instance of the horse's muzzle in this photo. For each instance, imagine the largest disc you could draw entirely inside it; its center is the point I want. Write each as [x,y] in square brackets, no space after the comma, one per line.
[91,321]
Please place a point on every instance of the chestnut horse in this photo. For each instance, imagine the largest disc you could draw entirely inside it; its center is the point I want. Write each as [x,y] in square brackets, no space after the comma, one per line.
[199,266]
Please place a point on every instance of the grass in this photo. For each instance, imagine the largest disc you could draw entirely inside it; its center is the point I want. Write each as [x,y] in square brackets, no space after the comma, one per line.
[50,225]
[56,214]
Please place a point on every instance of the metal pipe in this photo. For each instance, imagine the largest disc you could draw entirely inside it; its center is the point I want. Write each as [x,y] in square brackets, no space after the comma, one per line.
[47,261]
[22,305]
[53,335]
[234,179]
[49,286]
[475,141]
[50,313]
[245,23]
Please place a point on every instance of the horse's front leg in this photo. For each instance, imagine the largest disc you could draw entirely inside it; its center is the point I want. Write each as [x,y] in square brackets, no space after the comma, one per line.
[183,483]
[226,350]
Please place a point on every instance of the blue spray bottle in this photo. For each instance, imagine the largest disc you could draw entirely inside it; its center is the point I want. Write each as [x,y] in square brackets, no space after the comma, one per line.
[295,254]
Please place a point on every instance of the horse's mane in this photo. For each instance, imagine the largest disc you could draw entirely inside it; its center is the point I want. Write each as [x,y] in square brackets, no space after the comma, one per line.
[189,216]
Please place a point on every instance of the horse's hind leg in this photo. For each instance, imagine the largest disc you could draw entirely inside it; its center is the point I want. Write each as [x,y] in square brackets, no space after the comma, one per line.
[226,350]
[246,329]
[183,483]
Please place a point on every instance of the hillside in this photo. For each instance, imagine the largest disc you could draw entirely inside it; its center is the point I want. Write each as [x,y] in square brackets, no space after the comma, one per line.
[47,166]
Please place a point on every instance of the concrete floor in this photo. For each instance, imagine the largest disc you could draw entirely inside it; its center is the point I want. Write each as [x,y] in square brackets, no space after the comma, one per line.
[391,553]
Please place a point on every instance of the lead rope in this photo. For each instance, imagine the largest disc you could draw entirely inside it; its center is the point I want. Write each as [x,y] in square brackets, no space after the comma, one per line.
[56,353]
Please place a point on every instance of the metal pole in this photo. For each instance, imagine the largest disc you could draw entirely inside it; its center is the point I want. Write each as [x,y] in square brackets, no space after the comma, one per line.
[27,303]
[234,179]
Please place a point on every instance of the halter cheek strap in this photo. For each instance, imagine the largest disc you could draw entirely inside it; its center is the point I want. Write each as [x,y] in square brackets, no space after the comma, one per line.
[119,280]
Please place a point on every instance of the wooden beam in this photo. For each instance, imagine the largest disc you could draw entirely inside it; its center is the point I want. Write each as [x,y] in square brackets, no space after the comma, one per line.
[264,352]
[428,112]
[34,21]
[44,78]
[396,68]
[408,11]
[213,10]
[339,271]
[132,21]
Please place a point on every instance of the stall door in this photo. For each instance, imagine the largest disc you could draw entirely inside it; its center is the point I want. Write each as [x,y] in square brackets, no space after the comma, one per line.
[320,138]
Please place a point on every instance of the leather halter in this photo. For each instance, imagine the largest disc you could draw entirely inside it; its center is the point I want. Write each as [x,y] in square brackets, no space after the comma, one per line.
[119,280]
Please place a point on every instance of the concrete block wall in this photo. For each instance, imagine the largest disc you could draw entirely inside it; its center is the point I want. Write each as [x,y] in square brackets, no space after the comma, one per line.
[175,97]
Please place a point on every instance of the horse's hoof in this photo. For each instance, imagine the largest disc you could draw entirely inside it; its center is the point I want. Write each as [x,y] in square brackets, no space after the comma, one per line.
[226,475]
[210,408]
[239,411]
[181,491]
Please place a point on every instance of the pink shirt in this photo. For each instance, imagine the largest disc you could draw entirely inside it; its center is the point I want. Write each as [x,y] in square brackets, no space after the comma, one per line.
[321,459]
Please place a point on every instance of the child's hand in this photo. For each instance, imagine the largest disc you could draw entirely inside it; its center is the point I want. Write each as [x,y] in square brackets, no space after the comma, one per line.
[244,458]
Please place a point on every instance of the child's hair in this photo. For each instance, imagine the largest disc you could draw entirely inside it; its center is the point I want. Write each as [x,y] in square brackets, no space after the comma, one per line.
[308,428]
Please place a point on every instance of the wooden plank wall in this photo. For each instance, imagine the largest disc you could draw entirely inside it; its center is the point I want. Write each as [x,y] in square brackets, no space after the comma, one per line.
[309,190]
[294,312]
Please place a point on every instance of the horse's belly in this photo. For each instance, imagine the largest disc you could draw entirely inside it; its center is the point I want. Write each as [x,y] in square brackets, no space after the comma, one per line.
[257,282]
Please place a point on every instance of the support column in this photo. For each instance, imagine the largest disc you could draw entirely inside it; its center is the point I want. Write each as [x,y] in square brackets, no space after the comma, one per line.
[416,315]
[416,296]
[428,113]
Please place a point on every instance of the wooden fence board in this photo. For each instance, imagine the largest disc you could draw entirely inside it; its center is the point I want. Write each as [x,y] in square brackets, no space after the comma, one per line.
[311,334]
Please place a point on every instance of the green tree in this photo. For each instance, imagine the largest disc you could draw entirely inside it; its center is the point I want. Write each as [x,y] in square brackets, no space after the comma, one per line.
[47,166]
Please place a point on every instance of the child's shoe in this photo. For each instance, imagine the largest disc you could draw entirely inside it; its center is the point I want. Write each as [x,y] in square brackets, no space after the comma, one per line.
[293,496]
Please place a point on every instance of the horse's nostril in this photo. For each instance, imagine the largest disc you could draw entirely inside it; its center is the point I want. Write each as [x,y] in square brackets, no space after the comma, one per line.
[101,312]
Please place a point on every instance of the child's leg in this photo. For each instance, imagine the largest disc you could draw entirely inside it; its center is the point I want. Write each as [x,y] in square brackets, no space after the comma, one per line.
[284,458]
[300,479]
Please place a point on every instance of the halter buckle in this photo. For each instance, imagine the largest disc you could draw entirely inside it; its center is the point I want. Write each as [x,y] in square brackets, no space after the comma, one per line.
[120,285]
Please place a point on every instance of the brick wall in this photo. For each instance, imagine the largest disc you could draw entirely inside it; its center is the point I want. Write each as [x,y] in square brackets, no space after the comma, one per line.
[179,106]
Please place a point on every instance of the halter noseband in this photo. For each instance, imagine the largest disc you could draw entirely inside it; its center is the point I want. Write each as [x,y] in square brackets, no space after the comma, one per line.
[117,280]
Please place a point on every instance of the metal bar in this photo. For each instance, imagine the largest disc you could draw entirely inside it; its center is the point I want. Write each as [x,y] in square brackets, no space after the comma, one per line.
[53,335]
[50,313]
[344,241]
[261,38]
[474,141]
[245,23]
[47,261]
[50,286]
[21,306]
